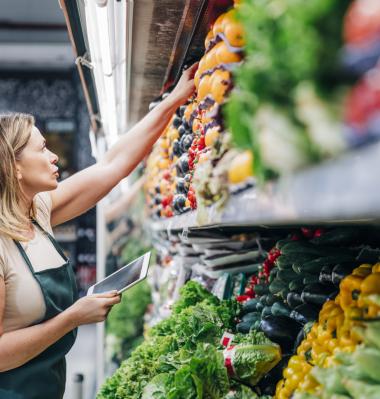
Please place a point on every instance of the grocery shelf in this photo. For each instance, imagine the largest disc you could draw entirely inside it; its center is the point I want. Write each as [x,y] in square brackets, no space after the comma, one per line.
[344,190]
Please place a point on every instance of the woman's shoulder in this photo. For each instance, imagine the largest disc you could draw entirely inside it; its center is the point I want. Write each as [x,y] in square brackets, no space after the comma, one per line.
[5,243]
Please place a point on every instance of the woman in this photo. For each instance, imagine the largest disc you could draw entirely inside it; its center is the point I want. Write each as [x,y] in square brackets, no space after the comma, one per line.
[39,310]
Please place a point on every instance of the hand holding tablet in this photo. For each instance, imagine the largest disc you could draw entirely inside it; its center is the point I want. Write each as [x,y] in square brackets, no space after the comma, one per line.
[123,278]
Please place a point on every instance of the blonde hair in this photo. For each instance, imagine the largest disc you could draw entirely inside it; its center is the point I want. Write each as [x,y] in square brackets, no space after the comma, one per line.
[15,131]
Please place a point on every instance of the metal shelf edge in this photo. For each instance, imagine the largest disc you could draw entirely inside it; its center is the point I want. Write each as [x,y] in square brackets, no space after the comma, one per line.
[343,190]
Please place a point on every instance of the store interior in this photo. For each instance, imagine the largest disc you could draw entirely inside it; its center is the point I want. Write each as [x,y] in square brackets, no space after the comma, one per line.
[259,202]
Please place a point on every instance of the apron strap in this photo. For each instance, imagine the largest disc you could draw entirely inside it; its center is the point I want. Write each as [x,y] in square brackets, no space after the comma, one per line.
[52,240]
[24,255]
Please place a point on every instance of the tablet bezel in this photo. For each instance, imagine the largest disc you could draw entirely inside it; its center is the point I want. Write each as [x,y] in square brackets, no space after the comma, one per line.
[143,274]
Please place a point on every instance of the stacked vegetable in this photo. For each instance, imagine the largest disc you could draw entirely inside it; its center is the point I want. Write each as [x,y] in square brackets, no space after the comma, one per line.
[283,106]
[182,356]
[353,374]
[196,136]
[335,331]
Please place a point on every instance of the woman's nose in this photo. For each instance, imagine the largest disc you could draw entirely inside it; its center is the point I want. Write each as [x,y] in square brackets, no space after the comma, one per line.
[54,158]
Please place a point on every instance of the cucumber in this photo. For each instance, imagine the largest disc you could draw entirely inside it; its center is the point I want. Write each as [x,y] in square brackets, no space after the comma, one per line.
[273,274]
[251,317]
[271,299]
[249,306]
[261,289]
[315,265]
[296,257]
[305,313]
[339,236]
[297,247]
[282,263]
[243,327]
[296,285]
[267,311]
[280,309]
[293,299]
[280,243]
[341,270]
[318,294]
[263,299]
[287,275]
[325,275]
[276,286]
[259,307]
[284,293]
[310,279]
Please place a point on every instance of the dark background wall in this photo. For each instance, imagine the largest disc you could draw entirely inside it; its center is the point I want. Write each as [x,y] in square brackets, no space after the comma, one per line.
[56,101]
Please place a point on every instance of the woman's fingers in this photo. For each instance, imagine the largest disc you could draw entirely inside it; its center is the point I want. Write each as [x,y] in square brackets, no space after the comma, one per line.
[192,70]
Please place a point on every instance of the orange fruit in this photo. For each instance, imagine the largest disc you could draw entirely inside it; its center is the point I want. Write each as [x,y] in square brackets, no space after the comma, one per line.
[229,18]
[204,87]
[234,33]
[241,167]
[201,65]
[219,85]
[189,110]
[211,136]
[224,56]
[196,78]
[218,25]
[209,37]
[211,61]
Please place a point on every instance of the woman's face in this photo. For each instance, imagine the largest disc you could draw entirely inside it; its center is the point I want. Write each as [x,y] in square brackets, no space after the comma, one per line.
[37,169]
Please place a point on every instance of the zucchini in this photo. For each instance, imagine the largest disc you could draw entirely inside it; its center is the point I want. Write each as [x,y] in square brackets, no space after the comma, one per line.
[267,311]
[273,274]
[293,299]
[287,275]
[325,275]
[282,263]
[280,309]
[317,294]
[276,286]
[339,236]
[249,306]
[298,247]
[243,327]
[271,299]
[281,243]
[315,265]
[251,317]
[341,270]
[296,257]
[310,279]
[284,293]
[263,299]
[261,289]
[296,285]
[305,313]
[259,307]
[368,255]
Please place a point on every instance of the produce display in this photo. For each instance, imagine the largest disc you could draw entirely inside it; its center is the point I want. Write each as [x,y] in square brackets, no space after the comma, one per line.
[335,332]
[353,374]
[266,312]
[194,150]
[182,356]
[304,298]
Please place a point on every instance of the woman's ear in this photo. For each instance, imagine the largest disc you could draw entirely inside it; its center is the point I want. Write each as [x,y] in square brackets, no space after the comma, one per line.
[18,173]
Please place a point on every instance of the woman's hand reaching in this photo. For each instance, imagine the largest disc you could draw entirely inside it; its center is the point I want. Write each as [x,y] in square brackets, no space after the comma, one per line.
[92,308]
[185,86]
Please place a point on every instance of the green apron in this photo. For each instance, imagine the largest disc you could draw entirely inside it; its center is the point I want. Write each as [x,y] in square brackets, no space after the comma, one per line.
[44,377]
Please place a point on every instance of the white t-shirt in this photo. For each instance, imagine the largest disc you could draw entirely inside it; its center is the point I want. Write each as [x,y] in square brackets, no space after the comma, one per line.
[24,301]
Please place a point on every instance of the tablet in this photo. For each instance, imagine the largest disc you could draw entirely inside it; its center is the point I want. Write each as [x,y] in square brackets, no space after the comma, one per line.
[124,278]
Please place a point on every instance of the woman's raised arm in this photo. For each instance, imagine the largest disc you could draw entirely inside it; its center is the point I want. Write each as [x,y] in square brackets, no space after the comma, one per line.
[84,189]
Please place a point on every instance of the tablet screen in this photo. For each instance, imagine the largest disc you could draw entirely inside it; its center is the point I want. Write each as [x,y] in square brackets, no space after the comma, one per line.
[122,278]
